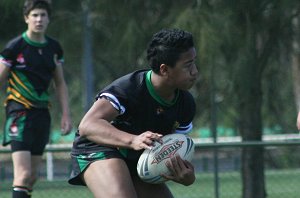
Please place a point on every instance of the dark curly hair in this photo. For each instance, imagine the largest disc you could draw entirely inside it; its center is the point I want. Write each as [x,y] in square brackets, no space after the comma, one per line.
[33,4]
[166,47]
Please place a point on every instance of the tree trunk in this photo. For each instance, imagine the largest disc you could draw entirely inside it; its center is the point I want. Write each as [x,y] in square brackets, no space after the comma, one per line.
[251,130]
[249,91]
[253,173]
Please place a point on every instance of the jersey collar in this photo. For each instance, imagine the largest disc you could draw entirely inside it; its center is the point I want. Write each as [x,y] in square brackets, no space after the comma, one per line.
[155,95]
[33,43]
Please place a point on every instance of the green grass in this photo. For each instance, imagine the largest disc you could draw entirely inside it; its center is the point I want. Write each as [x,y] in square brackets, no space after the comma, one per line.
[279,184]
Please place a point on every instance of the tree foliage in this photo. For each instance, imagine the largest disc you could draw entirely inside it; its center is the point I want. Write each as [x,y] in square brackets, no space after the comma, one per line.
[223,30]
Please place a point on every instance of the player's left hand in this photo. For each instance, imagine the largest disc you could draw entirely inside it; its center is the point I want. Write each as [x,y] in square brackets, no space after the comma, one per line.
[182,171]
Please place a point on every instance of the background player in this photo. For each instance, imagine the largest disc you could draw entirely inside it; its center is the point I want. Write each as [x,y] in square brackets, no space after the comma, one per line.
[29,62]
[133,112]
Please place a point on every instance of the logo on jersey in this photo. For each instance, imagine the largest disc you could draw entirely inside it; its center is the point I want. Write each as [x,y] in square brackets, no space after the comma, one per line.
[20,61]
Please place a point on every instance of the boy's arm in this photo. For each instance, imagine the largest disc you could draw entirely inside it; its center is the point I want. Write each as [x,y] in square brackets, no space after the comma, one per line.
[63,97]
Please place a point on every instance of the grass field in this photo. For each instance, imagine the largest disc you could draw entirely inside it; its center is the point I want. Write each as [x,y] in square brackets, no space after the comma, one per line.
[279,184]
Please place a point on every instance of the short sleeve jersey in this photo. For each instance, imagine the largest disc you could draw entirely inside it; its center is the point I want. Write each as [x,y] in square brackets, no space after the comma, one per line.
[32,68]
[141,109]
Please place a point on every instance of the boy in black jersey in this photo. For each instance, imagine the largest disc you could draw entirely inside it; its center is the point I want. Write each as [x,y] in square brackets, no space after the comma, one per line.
[29,63]
[133,112]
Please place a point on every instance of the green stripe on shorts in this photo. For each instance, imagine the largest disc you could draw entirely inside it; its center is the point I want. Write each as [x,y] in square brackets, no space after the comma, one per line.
[86,159]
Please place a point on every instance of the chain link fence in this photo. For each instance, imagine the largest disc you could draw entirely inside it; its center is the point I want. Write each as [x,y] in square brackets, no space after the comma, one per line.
[214,180]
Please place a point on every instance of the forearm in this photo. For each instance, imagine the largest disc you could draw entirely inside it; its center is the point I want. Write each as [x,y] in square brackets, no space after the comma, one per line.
[96,126]
[102,132]
[63,97]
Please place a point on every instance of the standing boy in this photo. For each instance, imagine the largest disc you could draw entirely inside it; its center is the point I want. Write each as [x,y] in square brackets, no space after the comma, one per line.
[28,64]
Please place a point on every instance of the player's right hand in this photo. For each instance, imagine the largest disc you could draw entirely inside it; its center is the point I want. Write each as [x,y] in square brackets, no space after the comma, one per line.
[145,140]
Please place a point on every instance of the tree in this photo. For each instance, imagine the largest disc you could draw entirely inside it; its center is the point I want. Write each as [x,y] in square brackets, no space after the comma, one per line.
[261,28]
[246,41]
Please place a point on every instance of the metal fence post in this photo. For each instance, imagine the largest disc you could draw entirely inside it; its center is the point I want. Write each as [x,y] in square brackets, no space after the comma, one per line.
[49,162]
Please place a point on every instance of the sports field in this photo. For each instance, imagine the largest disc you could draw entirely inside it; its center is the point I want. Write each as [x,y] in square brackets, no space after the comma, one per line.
[283,183]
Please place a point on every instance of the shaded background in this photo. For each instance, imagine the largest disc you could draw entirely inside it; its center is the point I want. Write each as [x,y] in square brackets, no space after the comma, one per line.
[248,57]
[107,39]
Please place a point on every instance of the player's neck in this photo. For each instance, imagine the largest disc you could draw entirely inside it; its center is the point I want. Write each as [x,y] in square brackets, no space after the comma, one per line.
[36,37]
[162,88]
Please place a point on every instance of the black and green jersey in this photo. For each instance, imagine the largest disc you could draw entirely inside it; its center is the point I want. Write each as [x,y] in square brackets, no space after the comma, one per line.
[32,67]
[141,109]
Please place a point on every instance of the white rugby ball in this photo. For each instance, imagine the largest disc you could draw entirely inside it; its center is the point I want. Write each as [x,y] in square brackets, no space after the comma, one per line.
[152,162]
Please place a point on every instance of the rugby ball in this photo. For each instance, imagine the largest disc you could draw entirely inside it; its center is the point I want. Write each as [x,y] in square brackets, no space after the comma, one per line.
[152,162]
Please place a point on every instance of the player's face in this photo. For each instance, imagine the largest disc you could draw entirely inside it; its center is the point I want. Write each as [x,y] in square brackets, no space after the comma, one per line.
[185,72]
[37,21]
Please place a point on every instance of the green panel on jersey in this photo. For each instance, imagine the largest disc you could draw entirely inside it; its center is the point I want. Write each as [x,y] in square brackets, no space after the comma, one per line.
[22,85]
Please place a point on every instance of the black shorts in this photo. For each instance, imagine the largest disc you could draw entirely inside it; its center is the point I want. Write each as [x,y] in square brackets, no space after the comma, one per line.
[26,129]
[81,161]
